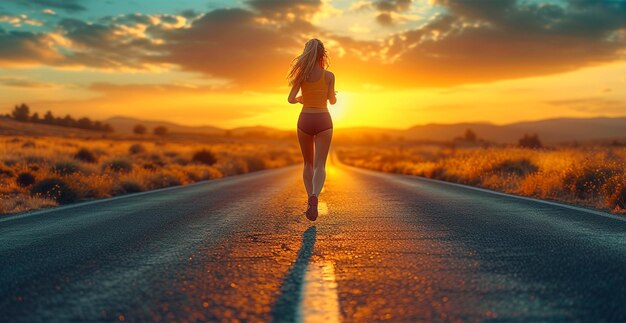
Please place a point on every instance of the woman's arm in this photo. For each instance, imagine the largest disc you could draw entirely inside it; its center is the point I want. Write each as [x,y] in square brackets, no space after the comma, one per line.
[292,95]
[332,95]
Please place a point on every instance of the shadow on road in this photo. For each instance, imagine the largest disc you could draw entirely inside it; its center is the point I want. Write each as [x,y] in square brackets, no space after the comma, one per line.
[286,307]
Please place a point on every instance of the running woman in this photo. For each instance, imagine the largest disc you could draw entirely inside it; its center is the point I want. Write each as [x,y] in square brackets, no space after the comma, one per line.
[315,126]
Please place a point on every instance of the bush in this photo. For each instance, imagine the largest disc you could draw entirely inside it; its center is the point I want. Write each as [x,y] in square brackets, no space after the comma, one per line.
[587,181]
[139,129]
[126,187]
[160,131]
[520,167]
[85,155]
[28,144]
[181,161]
[25,179]
[56,189]
[149,166]
[204,157]
[530,141]
[163,180]
[5,171]
[65,168]
[255,163]
[31,159]
[136,149]
[118,165]
[618,199]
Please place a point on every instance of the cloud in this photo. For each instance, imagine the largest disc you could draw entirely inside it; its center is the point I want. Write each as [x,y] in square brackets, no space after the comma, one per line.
[481,41]
[236,44]
[21,48]
[392,5]
[468,42]
[388,11]
[67,5]
[17,21]
[23,83]
[592,105]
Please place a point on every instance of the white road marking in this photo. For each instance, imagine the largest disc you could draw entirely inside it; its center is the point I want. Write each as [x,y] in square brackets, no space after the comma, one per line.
[319,301]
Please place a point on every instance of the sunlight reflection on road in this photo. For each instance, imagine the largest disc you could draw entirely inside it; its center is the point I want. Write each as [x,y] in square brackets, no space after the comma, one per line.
[322,208]
[320,302]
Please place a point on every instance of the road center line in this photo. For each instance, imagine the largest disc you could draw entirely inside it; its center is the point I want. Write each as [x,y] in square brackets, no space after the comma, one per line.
[319,301]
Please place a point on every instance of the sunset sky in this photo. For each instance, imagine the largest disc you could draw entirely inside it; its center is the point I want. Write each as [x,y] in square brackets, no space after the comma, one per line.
[397,62]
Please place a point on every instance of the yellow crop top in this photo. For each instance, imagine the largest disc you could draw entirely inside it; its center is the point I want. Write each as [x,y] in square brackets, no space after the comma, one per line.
[315,94]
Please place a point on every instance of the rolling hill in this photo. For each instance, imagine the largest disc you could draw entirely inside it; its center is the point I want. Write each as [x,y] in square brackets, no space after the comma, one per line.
[548,130]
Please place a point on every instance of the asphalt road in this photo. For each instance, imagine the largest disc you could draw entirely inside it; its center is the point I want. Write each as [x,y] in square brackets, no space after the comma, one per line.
[385,247]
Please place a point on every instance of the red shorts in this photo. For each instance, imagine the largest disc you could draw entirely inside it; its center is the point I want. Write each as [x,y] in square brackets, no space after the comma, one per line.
[314,123]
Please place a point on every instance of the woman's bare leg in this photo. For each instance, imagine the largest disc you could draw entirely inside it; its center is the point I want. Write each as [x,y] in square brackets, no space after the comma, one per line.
[322,145]
[306,146]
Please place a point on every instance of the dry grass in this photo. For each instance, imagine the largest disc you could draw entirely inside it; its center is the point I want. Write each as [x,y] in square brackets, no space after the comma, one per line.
[37,172]
[588,176]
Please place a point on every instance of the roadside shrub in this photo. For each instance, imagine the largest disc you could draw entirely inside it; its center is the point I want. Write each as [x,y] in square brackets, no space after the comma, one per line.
[56,189]
[232,166]
[157,160]
[618,199]
[530,141]
[170,154]
[163,180]
[255,163]
[31,159]
[181,161]
[118,165]
[10,162]
[136,149]
[5,171]
[149,166]
[65,168]
[520,167]
[25,179]
[587,181]
[128,186]
[85,155]
[204,156]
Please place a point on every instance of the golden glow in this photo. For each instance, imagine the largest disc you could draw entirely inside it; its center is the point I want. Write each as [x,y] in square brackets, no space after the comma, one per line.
[586,92]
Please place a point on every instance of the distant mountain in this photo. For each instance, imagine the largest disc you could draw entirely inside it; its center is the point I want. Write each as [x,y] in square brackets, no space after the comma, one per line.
[549,130]
[566,129]
[125,125]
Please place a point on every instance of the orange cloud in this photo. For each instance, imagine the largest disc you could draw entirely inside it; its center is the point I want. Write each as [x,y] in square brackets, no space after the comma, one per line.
[470,42]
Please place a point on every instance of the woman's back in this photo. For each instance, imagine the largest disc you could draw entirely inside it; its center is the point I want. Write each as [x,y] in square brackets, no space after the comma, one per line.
[315,93]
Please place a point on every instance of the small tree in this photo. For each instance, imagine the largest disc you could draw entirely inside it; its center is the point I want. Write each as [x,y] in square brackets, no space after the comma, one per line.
[107,128]
[68,121]
[48,117]
[21,112]
[84,123]
[139,129]
[470,135]
[35,118]
[530,141]
[160,131]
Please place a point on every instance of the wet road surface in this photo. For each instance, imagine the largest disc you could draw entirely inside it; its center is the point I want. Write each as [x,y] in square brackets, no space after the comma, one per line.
[385,247]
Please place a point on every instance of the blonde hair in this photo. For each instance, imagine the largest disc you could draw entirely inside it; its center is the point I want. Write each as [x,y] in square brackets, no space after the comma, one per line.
[301,66]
